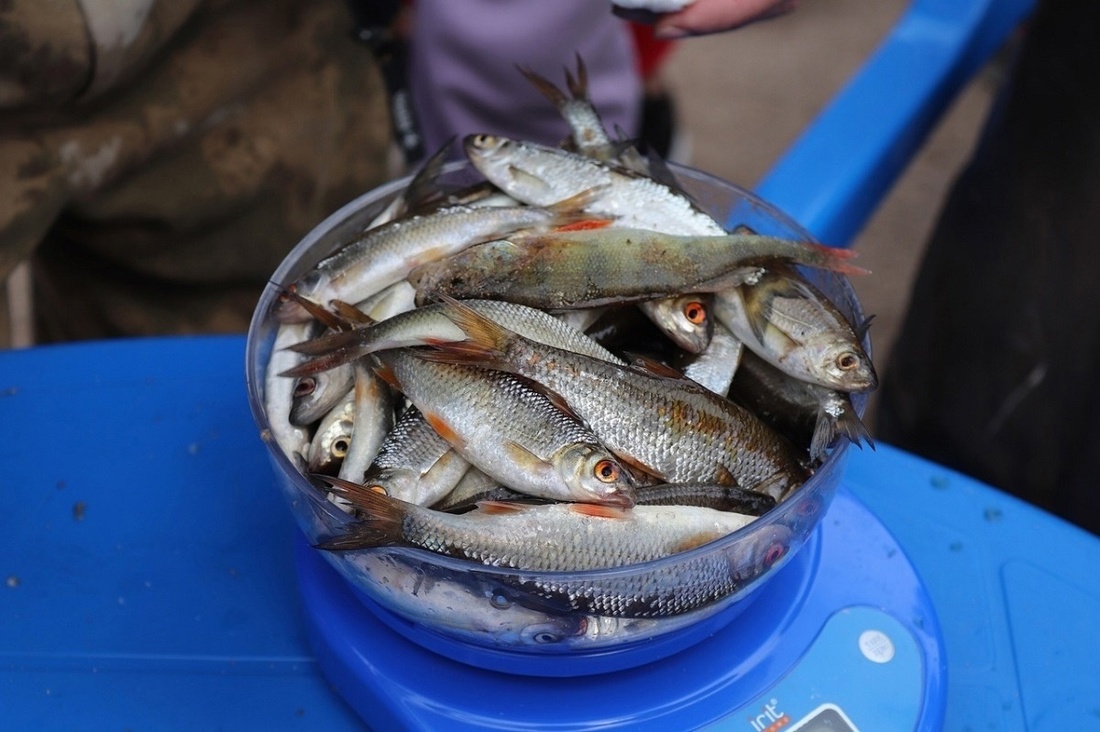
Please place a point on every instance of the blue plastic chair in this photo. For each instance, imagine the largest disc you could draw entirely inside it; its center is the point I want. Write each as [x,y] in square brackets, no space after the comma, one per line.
[833,177]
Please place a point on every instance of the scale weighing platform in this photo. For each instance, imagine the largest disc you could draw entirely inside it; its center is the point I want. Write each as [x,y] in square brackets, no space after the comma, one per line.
[150,582]
[842,638]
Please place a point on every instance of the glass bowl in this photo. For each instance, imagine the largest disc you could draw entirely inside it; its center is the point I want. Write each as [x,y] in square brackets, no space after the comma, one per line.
[482,615]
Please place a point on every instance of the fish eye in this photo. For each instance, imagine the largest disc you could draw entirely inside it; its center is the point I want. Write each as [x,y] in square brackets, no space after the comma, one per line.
[500,601]
[545,637]
[847,361]
[305,387]
[774,553]
[695,312]
[607,471]
[378,489]
[341,446]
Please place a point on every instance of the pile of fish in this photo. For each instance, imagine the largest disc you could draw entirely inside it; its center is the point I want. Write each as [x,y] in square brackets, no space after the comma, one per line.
[567,366]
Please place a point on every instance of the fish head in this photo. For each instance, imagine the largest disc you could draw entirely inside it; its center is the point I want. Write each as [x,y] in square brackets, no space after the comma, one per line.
[844,366]
[332,446]
[759,552]
[594,475]
[686,320]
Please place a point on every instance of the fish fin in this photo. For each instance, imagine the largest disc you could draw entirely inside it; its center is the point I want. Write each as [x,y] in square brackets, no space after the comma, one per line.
[833,259]
[578,86]
[652,366]
[485,342]
[552,396]
[421,192]
[758,310]
[639,468]
[523,178]
[523,457]
[571,209]
[697,540]
[384,520]
[585,225]
[596,510]
[387,374]
[501,508]
[743,229]
[350,313]
[327,318]
[547,88]
[725,477]
[444,429]
[862,328]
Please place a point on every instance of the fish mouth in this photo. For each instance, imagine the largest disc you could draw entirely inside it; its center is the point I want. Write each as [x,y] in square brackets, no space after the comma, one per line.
[619,500]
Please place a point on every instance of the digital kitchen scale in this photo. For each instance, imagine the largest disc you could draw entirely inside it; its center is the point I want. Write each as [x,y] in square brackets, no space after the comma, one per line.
[842,638]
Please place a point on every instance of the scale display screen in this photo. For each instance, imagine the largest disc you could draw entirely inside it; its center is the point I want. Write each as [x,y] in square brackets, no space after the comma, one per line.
[826,718]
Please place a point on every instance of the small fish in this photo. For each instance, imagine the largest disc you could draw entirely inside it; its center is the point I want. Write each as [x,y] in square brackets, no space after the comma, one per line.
[788,322]
[589,135]
[577,537]
[708,495]
[413,464]
[517,433]
[540,175]
[315,395]
[385,254]
[662,424]
[808,413]
[430,324]
[717,365]
[332,438]
[590,268]
[292,439]
[372,419]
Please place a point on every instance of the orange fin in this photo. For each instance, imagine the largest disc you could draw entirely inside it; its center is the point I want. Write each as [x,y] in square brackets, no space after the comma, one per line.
[501,508]
[444,429]
[598,511]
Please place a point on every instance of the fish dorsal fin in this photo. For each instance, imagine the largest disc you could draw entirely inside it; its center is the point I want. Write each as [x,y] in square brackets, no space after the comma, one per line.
[552,396]
[725,477]
[863,327]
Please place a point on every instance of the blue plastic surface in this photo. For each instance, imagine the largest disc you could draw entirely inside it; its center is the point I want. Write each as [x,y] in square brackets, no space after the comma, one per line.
[834,175]
[149,576]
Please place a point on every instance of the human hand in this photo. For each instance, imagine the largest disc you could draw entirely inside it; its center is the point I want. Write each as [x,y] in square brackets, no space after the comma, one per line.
[710,16]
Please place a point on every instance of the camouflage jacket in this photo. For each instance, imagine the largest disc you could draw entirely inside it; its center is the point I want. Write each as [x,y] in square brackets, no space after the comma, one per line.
[158,158]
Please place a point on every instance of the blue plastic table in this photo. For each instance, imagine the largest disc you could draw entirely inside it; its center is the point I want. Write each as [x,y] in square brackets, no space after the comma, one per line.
[149,583]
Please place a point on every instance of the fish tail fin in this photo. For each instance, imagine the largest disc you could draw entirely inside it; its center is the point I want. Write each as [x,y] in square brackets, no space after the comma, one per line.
[384,517]
[327,318]
[847,423]
[578,85]
[327,352]
[545,87]
[833,259]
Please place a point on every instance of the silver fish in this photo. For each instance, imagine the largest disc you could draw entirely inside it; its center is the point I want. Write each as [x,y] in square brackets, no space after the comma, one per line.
[512,431]
[315,395]
[579,537]
[292,439]
[430,324]
[540,175]
[385,254]
[332,439]
[716,366]
[670,427]
[372,420]
[808,413]
[789,323]
[414,464]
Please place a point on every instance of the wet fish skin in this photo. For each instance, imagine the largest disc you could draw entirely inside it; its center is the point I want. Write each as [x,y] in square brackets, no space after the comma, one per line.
[539,175]
[810,414]
[292,439]
[577,269]
[413,464]
[332,438]
[716,366]
[372,420]
[316,394]
[430,324]
[670,427]
[518,434]
[577,537]
[788,322]
[384,255]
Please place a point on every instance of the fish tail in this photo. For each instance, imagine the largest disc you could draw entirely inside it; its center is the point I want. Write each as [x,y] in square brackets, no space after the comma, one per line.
[327,318]
[833,259]
[384,517]
[328,352]
[545,87]
[847,424]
